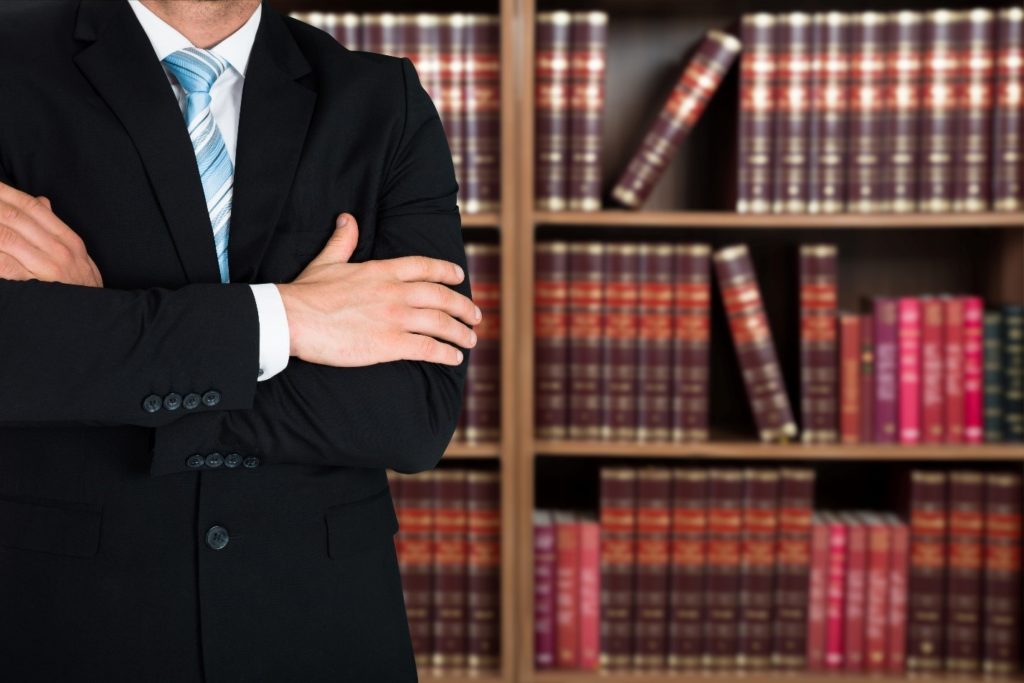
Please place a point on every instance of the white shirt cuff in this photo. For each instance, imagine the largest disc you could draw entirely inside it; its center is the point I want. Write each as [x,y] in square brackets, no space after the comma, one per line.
[275,344]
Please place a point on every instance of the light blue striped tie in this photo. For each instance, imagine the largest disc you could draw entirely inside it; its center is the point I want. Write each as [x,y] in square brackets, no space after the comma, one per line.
[197,70]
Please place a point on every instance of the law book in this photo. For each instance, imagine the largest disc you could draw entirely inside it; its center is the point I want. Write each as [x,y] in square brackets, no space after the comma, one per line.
[618,420]
[818,343]
[902,108]
[855,599]
[590,593]
[953,367]
[835,593]
[725,511]
[618,566]
[567,576]
[899,568]
[938,111]
[551,339]
[933,391]
[687,568]
[588,44]
[655,386]
[451,104]
[586,338]
[867,378]
[1001,582]
[964,569]
[972,93]
[926,590]
[551,67]
[416,507]
[849,377]
[423,48]
[481,179]
[752,340]
[348,30]
[756,144]
[866,188]
[829,113]
[545,560]
[974,311]
[817,587]
[1013,373]
[1008,138]
[482,394]
[793,59]
[909,369]
[691,340]
[383,32]
[886,334]
[653,526]
[759,536]
[992,352]
[483,627]
[450,569]
[876,610]
[679,113]
[792,568]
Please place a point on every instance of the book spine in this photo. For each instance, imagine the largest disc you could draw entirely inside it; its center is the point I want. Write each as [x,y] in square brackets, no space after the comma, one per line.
[618,566]
[835,591]
[1013,373]
[587,56]
[619,352]
[849,377]
[483,627]
[866,191]
[1002,609]
[818,357]
[415,550]
[752,339]
[792,569]
[867,378]
[653,525]
[544,570]
[963,580]
[878,569]
[855,608]
[685,104]
[792,68]
[933,419]
[817,603]
[691,341]
[829,113]
[567,576]
[552,111]
[902,109]
[688,611]
[953,319]
[757,568]
[1007,133]
[972,91]
[551,340]
[756,145]
[590,595]
[424,50]
[974,311]
[586,338]
[450,570]
[482,98]
[926,610]
[938,111]
[348,30]
[886,370]
[909,363]
[452,101]
[482,395]
[993,376]
[725,502]
[654,353]
[896,627]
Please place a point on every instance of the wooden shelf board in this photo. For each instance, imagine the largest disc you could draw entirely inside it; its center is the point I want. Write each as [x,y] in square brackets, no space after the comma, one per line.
[480,220]
[749,450]
[444,676]
[742,677]
[459,449]
[728,219]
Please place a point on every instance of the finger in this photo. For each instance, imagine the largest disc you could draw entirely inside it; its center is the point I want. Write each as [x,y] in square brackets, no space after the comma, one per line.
[12,269]
[33,257]
[424,268]
[439,324]
[420,348]
[30,212]
[46,202]
[441,297]
[342,243]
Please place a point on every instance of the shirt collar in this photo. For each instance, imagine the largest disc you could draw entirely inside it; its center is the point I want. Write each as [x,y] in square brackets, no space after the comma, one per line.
[166,40]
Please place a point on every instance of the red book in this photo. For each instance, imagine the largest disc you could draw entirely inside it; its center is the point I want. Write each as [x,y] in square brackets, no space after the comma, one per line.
[926,615]
[817,601]
[483,622]
[909,331]
[818,344]
[855,605]
[653,523]
[972,91]
[655,384]
[953,325]
[545,567]
[586,337]
[588,44]
[619,350]
[793,566]
[481,77]
[451,104]
[933,416]
[725,503]
[835,593]
[757,568]
[1008,147]
[886,335]
[877,597]
[450,569]
[691,340]
[482,394]
[899,567]
[590,594]
[866,192]
[793,61]
[618,566]
[757,112]
[551,65]
[974,416]
[1002,609]
[963,577]
[551,339]
[849,377]
[867,378]
[567,576]
[687,571]
[829,113]
[938,114]
[415,549]
[902,109]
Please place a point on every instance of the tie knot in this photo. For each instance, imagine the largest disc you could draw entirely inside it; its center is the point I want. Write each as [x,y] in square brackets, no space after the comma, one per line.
[196,69]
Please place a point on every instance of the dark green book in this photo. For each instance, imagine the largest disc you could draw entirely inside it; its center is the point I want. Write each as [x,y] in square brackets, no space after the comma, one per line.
[992,341]
[1013,373]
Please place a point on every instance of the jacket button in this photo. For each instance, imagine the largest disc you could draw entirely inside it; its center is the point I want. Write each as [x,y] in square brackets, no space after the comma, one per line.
[152,403]
[211,398]
[172,401]
[217,537]
[195,461]
[251,462]
[232,460]
[191,401]
[214,460]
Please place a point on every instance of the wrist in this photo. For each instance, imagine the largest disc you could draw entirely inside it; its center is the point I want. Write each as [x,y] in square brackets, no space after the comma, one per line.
[290,302]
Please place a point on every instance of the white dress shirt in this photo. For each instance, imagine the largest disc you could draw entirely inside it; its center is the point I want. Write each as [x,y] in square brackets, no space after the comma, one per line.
[226,103]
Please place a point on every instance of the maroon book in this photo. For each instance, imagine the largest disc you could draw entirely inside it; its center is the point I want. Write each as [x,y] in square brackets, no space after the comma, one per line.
[688,572]
[1008,140]
[793,31]
[926,609]
[567,589]
[792,568]
[867,378]
[483,619]
[963,578]
[829,113]
[587,55]
[416,505]
[423,32]
[551,339]
[654,344]
[544,568]
[819,381]
[938,114]
[450,569]
[618,566]
[817,591]
[854,614]
[691,339]
[587,275]
[760,526]
[902,109]
[481,179]
[886,416]
[725,513]
[653,524]
[451,103]
[619,350]
[551,117]
[756,147]
[1001,612]
[972,94]
[866,192]
[482,395]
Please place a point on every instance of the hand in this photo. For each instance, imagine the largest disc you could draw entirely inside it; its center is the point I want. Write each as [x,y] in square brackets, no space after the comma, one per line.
[354,314]
[35,244]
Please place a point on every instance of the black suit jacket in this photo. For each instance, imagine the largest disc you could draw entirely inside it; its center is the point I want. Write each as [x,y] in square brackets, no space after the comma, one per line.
[106,572]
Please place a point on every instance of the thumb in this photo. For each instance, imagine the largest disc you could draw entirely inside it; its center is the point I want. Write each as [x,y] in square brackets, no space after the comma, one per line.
[342,243]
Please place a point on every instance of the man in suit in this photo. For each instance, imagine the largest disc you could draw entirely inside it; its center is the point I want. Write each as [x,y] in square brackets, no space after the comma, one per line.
[206,363]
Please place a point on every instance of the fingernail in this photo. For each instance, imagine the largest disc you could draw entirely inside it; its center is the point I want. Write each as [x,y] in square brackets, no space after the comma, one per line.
[458,271]
[478,313]
[344,219]
[472,338]
[458,355]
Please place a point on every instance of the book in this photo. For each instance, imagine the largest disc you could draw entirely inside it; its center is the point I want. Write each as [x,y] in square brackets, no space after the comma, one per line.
[756,148]
[829,113]
[691,340]
[590,593]
[866,191]
[653,526]
[877,608]
[483,601]
[618,566]
[818,343]
[792,568]
[926,609]
[953,367]
[481,178]
[974,311]
[545,559]
[867,378]
[588,39]
[886,378]
[414,546]
[452,59]
[587,276]
[700,79]
[992,352]
[620,342]
[567,576]
[849,378]
[1001,583]
[482,394]
[964,567]
[687,569]
[450,569]
[759,535]
[908,331]
[793,59]
[835,593]
[1007,175]
[856,593]
[901,95]
[1013,373]
[551,64]
[752,340]
[551,339]
[972,94]
[725,510]
[933,391]
[938,111]
[899,568]
[817,601]
[655,382]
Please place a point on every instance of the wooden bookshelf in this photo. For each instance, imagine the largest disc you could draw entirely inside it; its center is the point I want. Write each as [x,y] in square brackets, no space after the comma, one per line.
[751,677]
[725,219]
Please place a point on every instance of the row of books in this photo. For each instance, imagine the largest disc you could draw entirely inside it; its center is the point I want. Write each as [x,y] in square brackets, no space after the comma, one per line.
[881,111]
[449,552]
[456,56]
[694,568]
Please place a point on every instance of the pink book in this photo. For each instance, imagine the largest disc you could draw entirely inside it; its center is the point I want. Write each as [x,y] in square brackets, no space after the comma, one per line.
[835,591]
[953,319]
[899,559]
[933,406]
[817,599]
[909,331]
[877,610]
[856,592]
[590,594]
[974,311]
[567,538]
[544,565]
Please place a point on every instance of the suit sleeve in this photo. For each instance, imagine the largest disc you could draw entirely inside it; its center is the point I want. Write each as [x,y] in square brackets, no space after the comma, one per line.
[398,414]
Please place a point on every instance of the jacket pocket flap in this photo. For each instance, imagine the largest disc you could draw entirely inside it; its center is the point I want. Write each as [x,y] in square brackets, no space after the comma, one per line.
[360,524]
[63,529]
